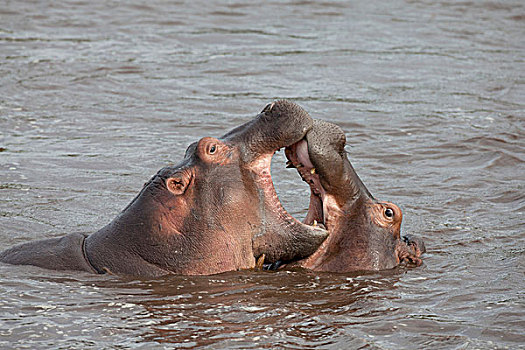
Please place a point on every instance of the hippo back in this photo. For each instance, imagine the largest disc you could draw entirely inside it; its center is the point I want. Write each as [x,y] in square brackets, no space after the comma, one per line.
[63,253]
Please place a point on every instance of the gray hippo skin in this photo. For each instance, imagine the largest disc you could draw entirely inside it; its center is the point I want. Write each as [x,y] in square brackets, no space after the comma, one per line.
[364,233]
[215,211]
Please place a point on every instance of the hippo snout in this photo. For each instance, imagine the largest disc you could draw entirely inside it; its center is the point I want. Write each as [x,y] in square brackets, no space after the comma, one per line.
[416,243]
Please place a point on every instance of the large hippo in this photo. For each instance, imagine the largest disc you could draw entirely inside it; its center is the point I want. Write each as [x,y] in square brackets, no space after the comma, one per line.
[364,233]
[215,211]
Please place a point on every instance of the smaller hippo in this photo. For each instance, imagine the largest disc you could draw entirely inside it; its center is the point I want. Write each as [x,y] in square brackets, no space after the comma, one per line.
[215,211]
[364,233]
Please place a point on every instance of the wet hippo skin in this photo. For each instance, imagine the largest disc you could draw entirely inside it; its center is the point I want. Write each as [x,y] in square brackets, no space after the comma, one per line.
[364,233]
[215,211]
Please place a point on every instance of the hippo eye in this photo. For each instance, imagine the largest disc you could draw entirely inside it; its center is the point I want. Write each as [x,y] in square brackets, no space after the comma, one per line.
[213,148]
[389,213]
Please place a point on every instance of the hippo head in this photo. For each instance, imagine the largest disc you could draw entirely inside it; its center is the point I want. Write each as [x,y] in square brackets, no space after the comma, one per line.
[217,210]
[364,233]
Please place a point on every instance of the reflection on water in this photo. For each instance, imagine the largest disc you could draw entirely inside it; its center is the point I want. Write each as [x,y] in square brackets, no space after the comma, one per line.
[95,97]
[237,309]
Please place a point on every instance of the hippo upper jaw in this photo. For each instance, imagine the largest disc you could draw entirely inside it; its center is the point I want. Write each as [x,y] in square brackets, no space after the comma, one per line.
[279,124]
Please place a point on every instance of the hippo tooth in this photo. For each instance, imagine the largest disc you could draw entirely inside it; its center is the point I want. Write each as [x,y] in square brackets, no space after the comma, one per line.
[260,262]
[289,164]
[312,171]
[315,223]
[300,165]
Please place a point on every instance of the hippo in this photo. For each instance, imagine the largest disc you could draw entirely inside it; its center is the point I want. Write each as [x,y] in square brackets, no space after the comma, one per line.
[364,233]
[215,211]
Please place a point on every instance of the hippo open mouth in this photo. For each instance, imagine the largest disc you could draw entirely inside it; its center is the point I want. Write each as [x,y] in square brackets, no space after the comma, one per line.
[364,233]
[280,125]
[314,219]
[298,158]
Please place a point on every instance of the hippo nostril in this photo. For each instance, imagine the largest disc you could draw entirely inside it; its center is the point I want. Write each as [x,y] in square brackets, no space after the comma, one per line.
[415,242]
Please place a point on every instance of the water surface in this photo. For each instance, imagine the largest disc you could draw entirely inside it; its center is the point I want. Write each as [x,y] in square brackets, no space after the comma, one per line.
[96,97]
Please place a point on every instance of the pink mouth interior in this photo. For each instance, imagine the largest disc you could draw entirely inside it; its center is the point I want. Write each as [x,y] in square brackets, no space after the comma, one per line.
[298,158]
[314,218]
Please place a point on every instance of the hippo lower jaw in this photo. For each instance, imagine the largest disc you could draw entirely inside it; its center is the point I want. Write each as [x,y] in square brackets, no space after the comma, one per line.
[276,214]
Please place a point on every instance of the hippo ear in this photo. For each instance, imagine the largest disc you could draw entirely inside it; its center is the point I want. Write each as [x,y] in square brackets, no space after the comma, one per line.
[177,185]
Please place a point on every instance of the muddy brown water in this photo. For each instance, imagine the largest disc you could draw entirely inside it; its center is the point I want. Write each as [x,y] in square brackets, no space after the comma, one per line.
[95,97]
